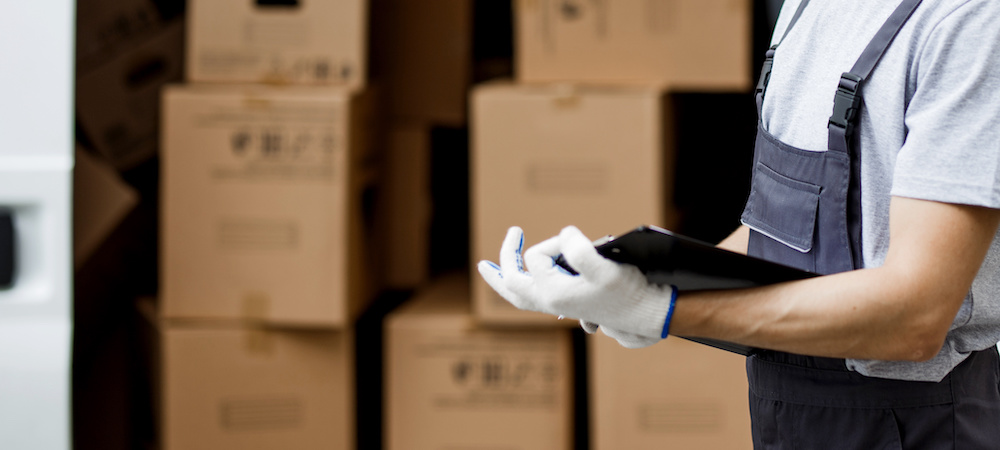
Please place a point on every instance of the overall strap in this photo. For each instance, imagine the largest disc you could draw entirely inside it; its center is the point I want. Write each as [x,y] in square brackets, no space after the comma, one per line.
[846,110]
[847,101]
[765,71]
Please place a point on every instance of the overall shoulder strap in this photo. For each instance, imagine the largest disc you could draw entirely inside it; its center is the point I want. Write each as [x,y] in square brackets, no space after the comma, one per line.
[765,71]
[847,100]
[846,108]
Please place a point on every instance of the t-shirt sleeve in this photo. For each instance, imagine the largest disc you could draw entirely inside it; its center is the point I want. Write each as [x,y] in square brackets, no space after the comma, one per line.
[952,148]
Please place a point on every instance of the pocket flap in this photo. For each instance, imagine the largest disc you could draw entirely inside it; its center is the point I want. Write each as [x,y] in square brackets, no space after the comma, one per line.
[782,209]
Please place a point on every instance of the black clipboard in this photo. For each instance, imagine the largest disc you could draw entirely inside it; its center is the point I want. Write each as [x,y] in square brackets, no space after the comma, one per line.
[669,258]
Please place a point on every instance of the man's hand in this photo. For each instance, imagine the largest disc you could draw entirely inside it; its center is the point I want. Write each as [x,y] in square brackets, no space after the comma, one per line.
[615,295]
[624,338]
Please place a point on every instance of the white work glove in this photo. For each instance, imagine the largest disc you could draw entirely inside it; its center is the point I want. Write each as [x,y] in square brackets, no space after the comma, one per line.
[617,296]
[624,338]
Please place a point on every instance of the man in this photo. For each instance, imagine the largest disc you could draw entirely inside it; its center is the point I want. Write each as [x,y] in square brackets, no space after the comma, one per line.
[895,198]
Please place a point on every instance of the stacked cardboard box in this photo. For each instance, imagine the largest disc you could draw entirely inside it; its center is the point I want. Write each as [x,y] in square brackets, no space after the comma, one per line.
[452,384]
[100,201]
[675,394]
[126,51]
[265,262]
[584,137]
[449,382]
[105,27]
[689,45]
[261,213]
[226,385]
[278,41]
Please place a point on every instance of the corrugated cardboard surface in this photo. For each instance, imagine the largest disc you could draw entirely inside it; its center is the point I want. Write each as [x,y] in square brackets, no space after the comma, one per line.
[544,157]
[261,216]
[100,201]
[674,394]
[233,387]
[310,41]
[451,385]
[104,27]
[687,44]
[118,103]
[423,53]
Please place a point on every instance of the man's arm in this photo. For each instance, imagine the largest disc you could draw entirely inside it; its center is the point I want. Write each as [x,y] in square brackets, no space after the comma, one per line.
[737,241]
[900,311]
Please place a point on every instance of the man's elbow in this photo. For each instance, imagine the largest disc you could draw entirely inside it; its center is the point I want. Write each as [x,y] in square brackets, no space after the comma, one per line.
[922,342]
[919,326]
[923,351]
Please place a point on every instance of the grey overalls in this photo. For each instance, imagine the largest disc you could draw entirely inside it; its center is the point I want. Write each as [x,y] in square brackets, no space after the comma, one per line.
[804,210]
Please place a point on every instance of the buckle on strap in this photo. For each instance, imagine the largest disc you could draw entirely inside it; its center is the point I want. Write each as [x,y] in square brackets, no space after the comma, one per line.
[847,103]
[765,71]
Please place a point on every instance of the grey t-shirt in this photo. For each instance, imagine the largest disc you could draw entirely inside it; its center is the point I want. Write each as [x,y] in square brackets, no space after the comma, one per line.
[930,129]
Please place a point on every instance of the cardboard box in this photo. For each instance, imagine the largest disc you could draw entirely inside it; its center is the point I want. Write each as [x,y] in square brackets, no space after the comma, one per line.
[696,45]
[450,384]
[422,52]
[278,41]
[118,103]
[544,157]
[105,27]
[262,215]
[226,386]
[100,201]
[675,394]
[405,206]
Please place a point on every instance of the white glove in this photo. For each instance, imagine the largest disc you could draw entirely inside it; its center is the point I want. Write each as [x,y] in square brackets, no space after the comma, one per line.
[615,295]
[624,338]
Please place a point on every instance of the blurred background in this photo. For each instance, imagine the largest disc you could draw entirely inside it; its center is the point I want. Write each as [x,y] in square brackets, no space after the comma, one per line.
[278,206]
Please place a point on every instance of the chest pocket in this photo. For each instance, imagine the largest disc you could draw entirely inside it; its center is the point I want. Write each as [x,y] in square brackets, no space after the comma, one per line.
[783,213]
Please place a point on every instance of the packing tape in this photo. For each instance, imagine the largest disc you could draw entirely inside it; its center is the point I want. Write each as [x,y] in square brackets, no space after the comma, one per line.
[258,341]
[565,95]
[256,308]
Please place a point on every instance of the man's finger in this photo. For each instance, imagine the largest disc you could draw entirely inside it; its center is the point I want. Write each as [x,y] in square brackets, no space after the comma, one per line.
[629,340]
[494,277]
[583,257]
[540,258]
[511,250]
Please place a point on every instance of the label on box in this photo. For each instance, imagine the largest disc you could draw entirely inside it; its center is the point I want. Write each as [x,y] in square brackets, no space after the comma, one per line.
[586,178]
[258,234]
[291,143]
[254,414]
[278,41]
[275,68]
[267,52]
[500,371]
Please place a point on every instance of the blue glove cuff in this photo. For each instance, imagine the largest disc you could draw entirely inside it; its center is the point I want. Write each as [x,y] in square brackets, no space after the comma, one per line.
[670,312]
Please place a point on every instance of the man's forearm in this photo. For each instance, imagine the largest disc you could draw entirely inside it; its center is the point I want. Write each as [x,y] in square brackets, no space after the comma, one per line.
[861,314]
[900,311]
